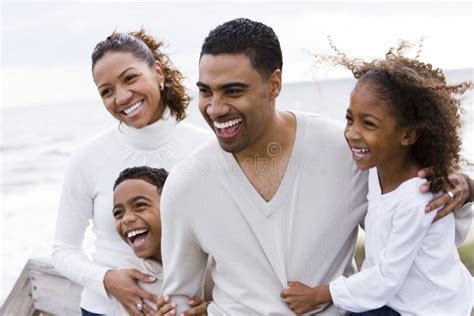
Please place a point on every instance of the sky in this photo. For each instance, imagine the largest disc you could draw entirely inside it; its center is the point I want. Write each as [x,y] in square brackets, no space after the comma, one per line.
[46,46]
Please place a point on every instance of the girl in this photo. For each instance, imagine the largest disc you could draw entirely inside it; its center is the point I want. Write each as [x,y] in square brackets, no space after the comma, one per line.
[140,88]
[402,117]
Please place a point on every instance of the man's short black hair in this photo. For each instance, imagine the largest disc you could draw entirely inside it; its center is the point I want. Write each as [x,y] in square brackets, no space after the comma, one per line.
[255,39]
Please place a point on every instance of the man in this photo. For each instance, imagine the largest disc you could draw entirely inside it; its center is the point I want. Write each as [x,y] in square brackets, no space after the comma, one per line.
[275,198]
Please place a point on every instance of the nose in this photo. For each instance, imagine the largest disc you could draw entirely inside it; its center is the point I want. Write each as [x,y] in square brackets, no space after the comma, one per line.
[128,217]
[351,132]
[216,106]
[122,95]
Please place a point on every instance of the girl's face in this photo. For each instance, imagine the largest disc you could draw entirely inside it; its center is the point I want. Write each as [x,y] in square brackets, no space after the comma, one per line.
[129,88]
[372,131]
[137,217]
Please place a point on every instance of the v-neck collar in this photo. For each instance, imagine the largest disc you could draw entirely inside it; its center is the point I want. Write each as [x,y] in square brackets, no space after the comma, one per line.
[240,180]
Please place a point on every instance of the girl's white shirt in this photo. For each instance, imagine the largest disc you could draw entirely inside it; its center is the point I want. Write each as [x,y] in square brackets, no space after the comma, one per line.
[412,265]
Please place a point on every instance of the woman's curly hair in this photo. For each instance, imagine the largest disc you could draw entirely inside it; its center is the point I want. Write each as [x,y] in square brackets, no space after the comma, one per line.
[147,49]
[420,98]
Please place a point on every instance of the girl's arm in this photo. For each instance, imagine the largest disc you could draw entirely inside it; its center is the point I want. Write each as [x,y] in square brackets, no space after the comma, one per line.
[375,286]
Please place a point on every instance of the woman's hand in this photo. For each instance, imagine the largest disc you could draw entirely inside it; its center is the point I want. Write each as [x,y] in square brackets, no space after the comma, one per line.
[302,298]
[122,284]
[457,197]
[165,308]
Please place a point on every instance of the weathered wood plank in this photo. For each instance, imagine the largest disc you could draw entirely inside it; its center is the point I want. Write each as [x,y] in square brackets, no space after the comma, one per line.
[41,288]
[19,301]
[52,292]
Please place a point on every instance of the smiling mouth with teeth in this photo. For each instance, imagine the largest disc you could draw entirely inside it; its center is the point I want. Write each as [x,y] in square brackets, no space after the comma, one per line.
[137,237]
[134,109]
[228,129]
[359,153]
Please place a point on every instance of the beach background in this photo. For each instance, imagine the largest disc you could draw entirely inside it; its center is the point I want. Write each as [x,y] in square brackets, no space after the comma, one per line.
[50,104]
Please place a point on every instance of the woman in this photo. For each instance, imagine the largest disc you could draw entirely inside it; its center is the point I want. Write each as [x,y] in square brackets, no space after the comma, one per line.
[139,87]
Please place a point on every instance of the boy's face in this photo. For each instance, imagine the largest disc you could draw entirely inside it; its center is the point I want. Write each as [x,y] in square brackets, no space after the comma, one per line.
[137,217]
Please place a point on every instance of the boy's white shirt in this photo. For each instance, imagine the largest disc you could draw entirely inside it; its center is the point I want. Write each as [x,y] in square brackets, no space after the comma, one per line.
[147,266]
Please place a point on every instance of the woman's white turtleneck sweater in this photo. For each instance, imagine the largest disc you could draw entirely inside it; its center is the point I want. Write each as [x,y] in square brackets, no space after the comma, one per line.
[87,195]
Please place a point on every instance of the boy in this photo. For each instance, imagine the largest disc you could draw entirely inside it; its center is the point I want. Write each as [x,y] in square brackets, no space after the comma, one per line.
[136,211]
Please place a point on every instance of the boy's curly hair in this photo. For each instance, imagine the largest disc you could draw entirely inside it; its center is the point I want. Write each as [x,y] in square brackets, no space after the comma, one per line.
[153,176]
[420,98]
[148,49]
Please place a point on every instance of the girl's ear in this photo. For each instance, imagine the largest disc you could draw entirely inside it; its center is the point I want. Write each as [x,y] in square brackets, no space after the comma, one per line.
[410,136]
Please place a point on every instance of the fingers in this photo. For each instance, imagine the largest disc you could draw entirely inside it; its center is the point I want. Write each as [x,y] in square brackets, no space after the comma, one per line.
[148,311]
[425,172]
[164,307]
[142,277]
[135,307]
[201,309]
[195,301]
[449,205]
[147,296]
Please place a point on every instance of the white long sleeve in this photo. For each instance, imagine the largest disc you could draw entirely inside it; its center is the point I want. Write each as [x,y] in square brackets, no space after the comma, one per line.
[87,197]
[189,260]
[411,264]
[375,286]
[76,206]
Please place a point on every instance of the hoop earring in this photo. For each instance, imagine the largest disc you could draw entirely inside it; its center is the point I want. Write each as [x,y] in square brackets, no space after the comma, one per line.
[162,86]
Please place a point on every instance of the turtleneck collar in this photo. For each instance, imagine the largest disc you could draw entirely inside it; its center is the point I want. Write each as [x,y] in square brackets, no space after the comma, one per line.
[152,136]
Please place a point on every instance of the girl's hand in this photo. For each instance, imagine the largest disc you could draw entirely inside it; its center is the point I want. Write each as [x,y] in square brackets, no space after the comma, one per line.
[122,284]
[302,298]
[461,194]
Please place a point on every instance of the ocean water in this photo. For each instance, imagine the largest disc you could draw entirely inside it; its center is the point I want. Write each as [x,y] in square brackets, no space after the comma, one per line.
[37,142]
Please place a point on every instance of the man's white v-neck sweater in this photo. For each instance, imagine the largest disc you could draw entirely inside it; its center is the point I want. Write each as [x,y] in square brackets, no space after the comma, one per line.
[88,192]
[306,233]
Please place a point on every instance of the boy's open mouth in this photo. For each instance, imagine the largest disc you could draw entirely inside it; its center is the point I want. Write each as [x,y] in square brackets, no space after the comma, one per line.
[138,236]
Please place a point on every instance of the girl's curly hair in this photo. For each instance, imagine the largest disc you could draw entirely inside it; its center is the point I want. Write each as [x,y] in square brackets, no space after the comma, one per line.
[420,98]
[147,49]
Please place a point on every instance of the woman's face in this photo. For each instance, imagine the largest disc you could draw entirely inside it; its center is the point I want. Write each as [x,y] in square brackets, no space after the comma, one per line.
[129,88]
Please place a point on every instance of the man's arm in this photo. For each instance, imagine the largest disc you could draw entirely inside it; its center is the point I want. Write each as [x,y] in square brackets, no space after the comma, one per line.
[184,262]
[462,193]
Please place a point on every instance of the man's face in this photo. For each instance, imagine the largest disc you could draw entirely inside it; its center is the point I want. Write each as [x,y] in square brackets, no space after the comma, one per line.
[234,99]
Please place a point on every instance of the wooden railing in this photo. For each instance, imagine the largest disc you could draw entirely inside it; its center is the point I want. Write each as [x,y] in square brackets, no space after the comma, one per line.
[41,290]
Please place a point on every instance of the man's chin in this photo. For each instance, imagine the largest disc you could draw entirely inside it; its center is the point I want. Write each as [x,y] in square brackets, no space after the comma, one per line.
[233,148]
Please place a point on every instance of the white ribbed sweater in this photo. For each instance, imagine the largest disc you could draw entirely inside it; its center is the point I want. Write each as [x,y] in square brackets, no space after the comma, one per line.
[87,195]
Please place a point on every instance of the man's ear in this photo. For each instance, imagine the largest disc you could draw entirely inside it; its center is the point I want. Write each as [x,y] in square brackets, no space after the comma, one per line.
[275,83]
[410,136]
